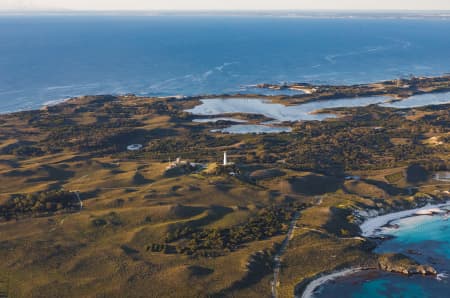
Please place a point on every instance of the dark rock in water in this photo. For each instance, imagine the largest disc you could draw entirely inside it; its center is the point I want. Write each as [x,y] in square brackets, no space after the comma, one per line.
[392,226]
[401,263]
[414,252]
[433,260]
[380,238]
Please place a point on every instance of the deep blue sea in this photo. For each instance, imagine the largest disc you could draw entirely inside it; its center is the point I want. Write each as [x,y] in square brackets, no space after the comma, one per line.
[49,58]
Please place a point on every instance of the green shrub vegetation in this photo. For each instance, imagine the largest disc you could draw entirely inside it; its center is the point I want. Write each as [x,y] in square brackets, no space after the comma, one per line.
[38,204]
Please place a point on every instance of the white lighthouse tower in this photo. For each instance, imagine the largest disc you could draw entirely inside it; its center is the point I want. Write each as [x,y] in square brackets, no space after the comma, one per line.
[225,162]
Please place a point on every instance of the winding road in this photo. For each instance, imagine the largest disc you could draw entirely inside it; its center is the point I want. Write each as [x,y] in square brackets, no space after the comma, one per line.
[277,260]
[77,194]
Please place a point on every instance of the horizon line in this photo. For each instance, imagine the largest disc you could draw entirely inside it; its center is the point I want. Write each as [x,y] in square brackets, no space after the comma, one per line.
[228,10]
[280,13]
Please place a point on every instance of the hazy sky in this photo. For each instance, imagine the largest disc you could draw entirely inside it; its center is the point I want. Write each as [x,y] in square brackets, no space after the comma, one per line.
[224,4]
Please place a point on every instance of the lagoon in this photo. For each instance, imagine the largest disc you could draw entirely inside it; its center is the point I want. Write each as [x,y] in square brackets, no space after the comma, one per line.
[420,100]
[279,113]
[257,129]
[307,111]
[276,111]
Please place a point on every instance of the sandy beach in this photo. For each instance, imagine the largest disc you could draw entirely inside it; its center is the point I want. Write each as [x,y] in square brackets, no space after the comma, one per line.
[312,286]
[372,225]
[369,228]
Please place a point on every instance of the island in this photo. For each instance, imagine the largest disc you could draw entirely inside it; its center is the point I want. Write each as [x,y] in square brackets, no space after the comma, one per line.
[122,195]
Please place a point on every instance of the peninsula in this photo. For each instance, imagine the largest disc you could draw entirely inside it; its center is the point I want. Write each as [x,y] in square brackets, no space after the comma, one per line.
[397,89]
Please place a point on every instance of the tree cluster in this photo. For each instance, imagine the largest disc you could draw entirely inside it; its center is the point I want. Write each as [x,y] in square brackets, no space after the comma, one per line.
[38,204]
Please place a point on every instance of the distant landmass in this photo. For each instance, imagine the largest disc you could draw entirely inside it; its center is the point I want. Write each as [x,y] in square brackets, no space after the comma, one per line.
[330,14]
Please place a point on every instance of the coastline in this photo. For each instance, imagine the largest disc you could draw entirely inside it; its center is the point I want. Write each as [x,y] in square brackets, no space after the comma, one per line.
[313,285]
[310,93]
[369,229]
[372,224]
[56,102]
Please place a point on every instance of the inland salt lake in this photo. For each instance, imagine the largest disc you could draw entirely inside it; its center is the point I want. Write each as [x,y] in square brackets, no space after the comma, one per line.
[281,113]
[50,58]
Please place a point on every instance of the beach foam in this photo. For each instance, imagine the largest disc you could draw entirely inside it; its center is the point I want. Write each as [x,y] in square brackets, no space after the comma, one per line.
[372,225]
[430,211]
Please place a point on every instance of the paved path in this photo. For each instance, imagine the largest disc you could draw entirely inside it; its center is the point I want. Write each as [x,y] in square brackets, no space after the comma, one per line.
[77,194]
[277,259]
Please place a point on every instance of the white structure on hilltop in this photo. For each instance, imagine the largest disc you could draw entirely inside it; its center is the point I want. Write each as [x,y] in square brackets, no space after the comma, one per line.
[225,162]
[178,162]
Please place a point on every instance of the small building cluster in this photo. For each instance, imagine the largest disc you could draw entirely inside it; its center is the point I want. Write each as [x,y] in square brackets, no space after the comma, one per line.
[178,162]
[180,167]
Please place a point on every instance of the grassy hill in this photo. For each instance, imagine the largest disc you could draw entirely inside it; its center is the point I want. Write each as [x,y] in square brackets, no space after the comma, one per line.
[202,233]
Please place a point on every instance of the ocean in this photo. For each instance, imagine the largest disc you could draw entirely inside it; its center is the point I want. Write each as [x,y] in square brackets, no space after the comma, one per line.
[49,58]
[423,238]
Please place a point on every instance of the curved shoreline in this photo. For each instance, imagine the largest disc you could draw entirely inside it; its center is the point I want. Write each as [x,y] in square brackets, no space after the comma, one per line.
[308,292]
[369,228]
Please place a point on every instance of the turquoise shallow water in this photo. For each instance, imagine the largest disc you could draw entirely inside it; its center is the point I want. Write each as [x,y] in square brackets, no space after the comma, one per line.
[424,238]
[428,235]
[377,285]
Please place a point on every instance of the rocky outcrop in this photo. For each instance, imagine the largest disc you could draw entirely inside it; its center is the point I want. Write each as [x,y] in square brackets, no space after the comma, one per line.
[400,263]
